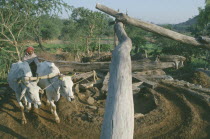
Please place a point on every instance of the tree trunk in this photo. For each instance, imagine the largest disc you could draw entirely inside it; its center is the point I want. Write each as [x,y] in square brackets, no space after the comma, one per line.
[119,112]
[87,45]
[85,67]
[153,28]
[99,46]
[39,39]
[140,65]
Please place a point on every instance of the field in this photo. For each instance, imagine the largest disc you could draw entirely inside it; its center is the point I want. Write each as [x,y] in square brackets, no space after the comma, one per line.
[171,110]
[171,96]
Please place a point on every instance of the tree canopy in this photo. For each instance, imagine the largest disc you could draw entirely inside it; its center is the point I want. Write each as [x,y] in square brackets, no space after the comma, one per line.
[203,23]
[20,17]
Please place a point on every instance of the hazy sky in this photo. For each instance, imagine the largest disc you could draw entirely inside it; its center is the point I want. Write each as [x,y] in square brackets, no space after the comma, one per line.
[156,11]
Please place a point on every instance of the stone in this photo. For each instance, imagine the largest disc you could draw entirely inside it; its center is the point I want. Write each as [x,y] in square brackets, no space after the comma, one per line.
[95,91]
[138,115]
[101,110]
[187,84]
[87,117]
[92,107]
[88,93]
[81,96]
[90,100]
[198,86]
[77,88]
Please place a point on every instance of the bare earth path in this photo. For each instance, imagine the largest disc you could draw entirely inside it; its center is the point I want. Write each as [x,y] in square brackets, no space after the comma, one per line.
[169,112]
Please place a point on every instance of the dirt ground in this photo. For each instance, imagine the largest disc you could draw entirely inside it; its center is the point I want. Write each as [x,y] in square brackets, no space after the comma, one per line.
[168,112]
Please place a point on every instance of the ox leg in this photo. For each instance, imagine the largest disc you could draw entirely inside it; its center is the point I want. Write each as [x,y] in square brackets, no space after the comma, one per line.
[23,118]
[29,106]
[22,113]
[51,107]
[25,101]
[26,104]
[57,119]
[48,102]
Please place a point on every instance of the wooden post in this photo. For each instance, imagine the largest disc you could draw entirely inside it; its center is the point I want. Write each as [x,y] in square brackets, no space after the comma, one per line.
[99,46]
[119,112]
[154,28]
[145,52]
[87,45]
[75,52]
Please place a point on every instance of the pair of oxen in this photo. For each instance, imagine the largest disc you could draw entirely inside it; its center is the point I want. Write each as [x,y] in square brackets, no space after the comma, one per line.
[28,88]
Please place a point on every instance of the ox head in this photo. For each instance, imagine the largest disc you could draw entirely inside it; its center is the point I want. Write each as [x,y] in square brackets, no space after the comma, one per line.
[31,92]
[66,87]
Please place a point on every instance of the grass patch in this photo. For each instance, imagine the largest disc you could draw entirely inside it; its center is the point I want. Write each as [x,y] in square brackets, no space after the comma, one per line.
[53,47]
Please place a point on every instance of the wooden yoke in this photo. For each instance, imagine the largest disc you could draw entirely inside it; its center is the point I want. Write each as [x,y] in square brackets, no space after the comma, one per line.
[153,28]
[23,79]
[119,112]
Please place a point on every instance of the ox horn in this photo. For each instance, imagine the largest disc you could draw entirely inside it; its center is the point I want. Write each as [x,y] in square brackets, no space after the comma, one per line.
[37,80]
[61,76]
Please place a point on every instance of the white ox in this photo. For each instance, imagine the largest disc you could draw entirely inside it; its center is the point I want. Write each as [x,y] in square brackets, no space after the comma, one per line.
[27,90]
[55,86]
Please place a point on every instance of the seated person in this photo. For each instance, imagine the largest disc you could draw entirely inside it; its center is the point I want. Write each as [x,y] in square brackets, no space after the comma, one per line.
[32,59]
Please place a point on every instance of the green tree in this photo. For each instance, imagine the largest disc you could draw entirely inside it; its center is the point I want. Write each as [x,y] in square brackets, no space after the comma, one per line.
[139,39]
[19,17]
[207,2]
[84,24]
[203,24]
[93,23]
[50,27]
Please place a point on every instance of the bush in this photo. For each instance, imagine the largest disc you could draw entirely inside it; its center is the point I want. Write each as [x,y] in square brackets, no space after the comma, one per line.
[5,63]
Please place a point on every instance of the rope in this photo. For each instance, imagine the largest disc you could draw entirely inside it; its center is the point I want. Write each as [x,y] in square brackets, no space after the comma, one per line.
[49,85]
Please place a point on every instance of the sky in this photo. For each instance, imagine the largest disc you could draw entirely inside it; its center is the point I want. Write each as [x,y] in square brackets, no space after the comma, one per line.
[155,11]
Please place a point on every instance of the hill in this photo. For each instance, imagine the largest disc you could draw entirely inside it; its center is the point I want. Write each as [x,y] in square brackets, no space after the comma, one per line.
[184,26]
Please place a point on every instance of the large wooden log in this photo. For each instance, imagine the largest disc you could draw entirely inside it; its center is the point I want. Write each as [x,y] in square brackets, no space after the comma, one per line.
[153,28]
[140,65]
[119,112]
[82,67]
[146,82]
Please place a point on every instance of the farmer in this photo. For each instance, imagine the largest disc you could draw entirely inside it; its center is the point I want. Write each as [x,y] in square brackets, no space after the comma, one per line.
[32,59]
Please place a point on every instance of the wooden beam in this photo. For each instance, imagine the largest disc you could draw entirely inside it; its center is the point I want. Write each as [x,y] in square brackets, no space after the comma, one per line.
[23,79]
[146,82]
[119,112]
[140,65]
[153,28]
